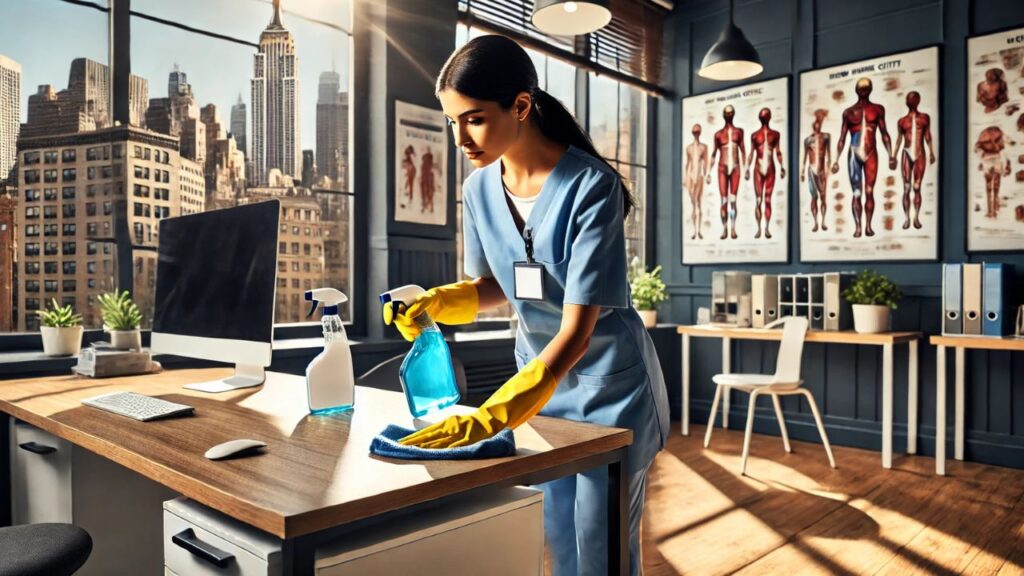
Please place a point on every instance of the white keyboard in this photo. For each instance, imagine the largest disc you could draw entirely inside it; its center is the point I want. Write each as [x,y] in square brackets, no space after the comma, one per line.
[137,406]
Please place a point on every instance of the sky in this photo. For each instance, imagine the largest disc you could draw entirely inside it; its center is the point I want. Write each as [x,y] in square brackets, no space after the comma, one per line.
[45,35]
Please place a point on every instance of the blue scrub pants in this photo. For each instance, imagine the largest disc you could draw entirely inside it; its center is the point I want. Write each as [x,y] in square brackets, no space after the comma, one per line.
[576,520]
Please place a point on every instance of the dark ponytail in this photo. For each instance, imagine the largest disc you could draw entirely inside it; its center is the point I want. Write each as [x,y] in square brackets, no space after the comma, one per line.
[496,69]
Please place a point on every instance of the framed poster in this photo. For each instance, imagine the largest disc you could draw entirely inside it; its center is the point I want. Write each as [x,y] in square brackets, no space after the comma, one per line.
[995,143]
[869,150]
[421,164]
[735,195]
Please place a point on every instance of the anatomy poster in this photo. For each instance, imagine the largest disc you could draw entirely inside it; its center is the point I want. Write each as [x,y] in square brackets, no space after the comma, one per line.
[421,149]
[995,137]
[868,166]
[735,159]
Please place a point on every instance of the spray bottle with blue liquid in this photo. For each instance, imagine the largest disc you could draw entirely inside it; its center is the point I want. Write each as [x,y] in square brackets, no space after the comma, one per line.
[427,376]
[330,383]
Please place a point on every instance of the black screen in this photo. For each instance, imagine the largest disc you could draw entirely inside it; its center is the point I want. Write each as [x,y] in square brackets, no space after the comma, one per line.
[217,272]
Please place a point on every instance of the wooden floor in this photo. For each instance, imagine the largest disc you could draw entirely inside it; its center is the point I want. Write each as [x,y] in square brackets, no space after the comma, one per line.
[795,515]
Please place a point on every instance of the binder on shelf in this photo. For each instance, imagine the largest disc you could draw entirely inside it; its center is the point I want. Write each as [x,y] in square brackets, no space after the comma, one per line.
[838,312]
[952,288]
[816,301]
[994,320]
[786,295]
[972,298]
[765,299]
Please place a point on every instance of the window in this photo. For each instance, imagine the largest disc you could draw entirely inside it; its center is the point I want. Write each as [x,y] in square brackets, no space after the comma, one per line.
[117,151]
[30,158]
[31,212]
[68,285]
[90,229]
[50,157]
[50,285]
[108,208]
[69,229]
[93,153]
[90,208]
[49,194]
[31,176]
[32,230]
[32,286]
[68,155]
[31,195]
[90,173]
[68,248]
[50,176]
[50,248]
[50,267]
[68,210]
[49,211]
[68,193]
[31,267]
[90,267]
[70,267]
[618,126]
[90,248]
[49,229]
[68,174]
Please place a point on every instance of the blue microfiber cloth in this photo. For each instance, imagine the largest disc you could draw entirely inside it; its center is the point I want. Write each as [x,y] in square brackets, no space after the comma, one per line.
[386,444]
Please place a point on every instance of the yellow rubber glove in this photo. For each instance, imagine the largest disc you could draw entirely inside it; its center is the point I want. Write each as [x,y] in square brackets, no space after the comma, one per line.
[515,402]
[449,304]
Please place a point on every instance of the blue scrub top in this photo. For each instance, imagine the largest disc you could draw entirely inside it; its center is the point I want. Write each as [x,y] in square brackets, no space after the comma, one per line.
[578,235]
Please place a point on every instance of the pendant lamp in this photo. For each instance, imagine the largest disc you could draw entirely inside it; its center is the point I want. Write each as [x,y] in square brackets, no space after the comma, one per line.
[732,57]
[571,17]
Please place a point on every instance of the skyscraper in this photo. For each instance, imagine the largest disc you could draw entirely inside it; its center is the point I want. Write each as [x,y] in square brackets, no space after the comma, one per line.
[332,130]
[10,113]
[275,103]
[238,125]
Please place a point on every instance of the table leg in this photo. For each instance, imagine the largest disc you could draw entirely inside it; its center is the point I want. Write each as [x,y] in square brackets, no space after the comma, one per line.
[686,386]
[887,406]
[912,385]
[940,410]
[958,422]
[618,520]
[726,369]
[298,556]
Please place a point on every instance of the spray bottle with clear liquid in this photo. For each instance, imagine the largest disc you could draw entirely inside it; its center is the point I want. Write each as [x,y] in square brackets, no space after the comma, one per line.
[427,376]
[330,383]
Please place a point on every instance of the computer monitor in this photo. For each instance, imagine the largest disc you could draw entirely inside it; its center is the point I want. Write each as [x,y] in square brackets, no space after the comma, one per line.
[216,278]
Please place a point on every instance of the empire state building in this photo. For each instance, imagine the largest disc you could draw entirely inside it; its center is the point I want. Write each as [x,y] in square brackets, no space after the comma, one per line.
[275,103]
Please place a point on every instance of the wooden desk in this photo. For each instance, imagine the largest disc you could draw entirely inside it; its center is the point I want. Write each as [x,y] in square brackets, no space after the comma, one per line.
[959,343]
[886,340]
[317,474]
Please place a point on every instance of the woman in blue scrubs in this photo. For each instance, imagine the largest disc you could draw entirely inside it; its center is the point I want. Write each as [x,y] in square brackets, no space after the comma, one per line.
[543,216]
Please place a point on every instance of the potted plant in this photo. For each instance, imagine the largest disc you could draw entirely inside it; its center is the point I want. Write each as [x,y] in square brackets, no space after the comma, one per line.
[873,296]
[648,291]
[61,329]
[121,318]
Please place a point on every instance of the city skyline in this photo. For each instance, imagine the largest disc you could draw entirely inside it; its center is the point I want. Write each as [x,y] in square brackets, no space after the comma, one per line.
[156,48]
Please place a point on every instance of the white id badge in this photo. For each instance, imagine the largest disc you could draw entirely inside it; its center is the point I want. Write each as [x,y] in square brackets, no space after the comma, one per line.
[529,281]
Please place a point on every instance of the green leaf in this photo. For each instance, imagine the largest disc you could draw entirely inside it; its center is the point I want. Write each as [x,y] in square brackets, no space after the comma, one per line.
[647,288]
[119,311]
[872,288]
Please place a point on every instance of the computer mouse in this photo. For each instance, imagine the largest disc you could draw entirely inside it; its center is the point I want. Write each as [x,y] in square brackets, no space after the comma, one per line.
[233,448]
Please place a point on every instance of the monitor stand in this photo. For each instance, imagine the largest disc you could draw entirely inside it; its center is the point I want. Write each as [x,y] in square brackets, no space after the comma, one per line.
[246,376]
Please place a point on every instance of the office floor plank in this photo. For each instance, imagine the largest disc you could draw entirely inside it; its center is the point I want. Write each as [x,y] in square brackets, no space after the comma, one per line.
[795,515]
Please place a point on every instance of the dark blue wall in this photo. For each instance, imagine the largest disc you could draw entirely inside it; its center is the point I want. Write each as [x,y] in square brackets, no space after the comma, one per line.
[797,35]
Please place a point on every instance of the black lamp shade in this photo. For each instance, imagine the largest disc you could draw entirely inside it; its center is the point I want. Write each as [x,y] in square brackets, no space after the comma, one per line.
[571,17]
[732,57]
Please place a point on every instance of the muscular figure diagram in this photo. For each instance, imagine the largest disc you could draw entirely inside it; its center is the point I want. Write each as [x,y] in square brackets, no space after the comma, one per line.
[862,120]
[729,148]
[764,150]
[814,167]
[994,165]
[696,169]
[992,92]
[912,132]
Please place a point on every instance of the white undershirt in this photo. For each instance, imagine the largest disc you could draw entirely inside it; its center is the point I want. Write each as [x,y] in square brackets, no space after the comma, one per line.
[523,206]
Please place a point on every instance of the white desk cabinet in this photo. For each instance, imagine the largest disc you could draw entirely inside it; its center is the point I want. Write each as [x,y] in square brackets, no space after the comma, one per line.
[502,529]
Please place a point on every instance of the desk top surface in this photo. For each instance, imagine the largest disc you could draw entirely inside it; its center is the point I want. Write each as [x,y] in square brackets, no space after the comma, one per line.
[831,337]
[981,342]
[317,471]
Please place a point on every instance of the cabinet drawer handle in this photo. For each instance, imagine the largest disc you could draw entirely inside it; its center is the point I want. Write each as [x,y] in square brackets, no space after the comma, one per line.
[36,448]
[187,539]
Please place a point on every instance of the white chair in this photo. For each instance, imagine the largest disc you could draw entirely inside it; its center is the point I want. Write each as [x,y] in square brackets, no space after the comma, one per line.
[785,381]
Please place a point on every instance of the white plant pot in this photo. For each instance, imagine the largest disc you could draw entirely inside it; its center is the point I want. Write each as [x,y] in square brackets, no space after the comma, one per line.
[126,339]
[650,317]
[65,341]
[870,318]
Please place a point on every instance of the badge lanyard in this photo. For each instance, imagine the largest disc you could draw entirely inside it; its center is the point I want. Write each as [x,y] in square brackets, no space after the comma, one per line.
[529,275]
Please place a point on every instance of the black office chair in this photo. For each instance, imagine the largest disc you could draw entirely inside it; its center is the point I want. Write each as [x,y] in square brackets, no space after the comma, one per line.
[384,376]
[43,549]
